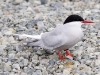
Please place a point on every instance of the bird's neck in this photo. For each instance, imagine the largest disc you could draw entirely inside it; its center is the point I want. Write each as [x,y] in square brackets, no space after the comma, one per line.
[75,24]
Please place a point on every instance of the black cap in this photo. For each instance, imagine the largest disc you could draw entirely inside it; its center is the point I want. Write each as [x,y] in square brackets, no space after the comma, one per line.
[73,18]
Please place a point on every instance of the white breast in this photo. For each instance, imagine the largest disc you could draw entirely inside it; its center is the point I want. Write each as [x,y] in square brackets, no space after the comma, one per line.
[74,34]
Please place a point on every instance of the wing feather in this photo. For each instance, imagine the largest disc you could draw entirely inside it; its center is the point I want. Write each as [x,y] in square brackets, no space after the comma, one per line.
[54,38]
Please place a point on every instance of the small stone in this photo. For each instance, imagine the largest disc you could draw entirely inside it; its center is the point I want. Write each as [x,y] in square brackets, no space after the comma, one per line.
[30,24]
[51,62]
[90,50]
[22,73]
[1,35]
[97,6]
[15,70]
[88,62]
[35,59]
[8,33]
[1,13]
[29,70]
[58,73]
[23,62]
[41,26]
[61,66]
[44,61]
[11,56]
[77,63]
[16,66]
[57,5]
[87,11]
[97,62]
[12,73]
[54,56]
[11,39]
[4,41]
[38,72]
[17,2]
[77,12]
[7,67]
[79,53]
[45,72]
[44,1]
[0,60]
[68,64]
[1,50]
[98,73]
[65,71]
[36,2]
[40,52]
[19,48]
[76,74]
[29,9]
[83,26]
[51,69]
[98,33]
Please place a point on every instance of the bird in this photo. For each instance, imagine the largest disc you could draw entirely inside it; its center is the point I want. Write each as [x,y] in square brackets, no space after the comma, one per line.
[62,37]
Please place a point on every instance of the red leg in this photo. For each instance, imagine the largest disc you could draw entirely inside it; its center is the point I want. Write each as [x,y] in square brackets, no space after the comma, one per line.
[68,53]
[60,56]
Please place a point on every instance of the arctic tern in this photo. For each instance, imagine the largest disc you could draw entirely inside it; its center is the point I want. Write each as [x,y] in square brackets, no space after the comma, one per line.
[62,37]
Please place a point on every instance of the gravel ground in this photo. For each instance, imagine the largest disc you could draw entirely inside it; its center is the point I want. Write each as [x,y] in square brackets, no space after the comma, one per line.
[19,16]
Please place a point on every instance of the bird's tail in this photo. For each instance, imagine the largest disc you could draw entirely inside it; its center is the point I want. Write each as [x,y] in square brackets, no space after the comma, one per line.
[29,36]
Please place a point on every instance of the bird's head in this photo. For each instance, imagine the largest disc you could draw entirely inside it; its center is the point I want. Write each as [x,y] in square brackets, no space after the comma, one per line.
[76,18]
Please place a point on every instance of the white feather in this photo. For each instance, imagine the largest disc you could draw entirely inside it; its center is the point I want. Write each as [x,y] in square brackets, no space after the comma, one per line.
[29,36]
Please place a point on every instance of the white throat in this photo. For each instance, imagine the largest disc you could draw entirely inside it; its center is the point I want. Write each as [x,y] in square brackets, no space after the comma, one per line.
[75,24]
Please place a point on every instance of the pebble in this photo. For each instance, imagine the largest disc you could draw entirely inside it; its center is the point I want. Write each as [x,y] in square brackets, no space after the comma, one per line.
[51,62]
[88,62]
[97,62]
[29,70]
[11,56]
[61,66]
[29,9]
[23,73]
[44,1]
[23,62]
[17,1]
[16,66]
[54,56]
[41,26]
[35,59]
[57,5]
[1,13]
[98,73]
[1,51]
[40,52]
[36,2]
[44,61]
[7,67]
[19,48]
[90,50]
[45,72]
[1,35]
[58,73]
[38,72]
[65,71]
[0,60]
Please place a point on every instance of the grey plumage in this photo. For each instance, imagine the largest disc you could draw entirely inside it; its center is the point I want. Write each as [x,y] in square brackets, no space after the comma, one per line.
[62,37]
